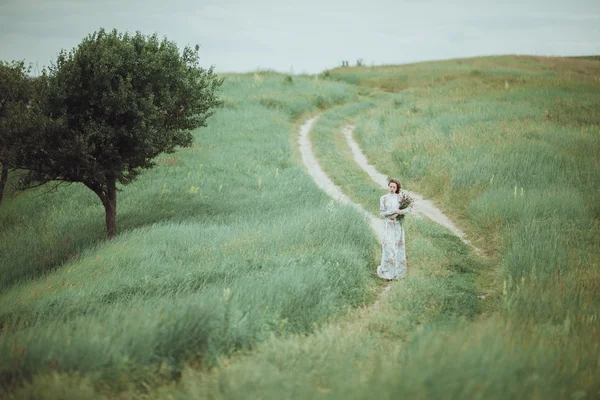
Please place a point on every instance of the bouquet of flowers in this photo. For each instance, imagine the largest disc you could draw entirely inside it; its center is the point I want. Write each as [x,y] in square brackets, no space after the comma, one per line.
[405,202]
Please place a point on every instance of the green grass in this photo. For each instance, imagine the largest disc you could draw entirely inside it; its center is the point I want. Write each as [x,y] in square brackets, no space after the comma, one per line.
[343,358]
[597,58]
[221,246]
[335,157]
[510,148]
[244,287]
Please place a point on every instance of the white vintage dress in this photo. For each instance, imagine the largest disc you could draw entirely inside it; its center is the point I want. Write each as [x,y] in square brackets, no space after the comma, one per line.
[393,252]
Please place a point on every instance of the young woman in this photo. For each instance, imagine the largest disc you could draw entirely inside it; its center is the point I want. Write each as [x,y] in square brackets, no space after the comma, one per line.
[393,255]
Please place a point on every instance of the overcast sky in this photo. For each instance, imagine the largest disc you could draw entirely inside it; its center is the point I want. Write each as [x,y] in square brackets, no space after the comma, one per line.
[309,36]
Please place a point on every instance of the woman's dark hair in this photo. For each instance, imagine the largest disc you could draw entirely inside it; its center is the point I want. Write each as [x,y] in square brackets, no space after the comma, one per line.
[398,185]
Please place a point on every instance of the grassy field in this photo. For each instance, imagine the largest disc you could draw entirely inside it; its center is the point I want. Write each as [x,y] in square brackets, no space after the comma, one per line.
[235,277]
[344,358]
[510,148]
[221,246]
[335,157]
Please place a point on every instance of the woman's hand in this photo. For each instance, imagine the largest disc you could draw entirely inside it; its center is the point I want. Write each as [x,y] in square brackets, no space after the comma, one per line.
[393,216]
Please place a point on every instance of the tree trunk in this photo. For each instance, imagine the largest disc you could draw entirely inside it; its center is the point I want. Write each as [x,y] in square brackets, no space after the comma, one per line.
[3,180]
[110,205]
[108,197]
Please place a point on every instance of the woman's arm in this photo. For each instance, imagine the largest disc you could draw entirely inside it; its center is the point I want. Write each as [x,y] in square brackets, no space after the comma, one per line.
[405,211]
[383,210]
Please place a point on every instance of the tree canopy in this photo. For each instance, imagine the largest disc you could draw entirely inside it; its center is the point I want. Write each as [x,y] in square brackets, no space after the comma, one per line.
[112,105]
[17,114]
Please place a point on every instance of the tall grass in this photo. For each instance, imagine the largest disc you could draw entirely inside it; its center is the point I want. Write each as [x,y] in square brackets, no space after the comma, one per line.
[347,358]
[516,176]
[506,145]
[518,163]
[221,246]
[336,158]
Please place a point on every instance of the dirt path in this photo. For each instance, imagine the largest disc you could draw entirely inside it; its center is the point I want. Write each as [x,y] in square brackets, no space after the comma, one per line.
[323,181]
[421,206]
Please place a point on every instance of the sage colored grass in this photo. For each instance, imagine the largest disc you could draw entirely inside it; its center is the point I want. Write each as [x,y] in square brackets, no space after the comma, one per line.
[503,146]
[512,153]
[336,158]
[222,245]
[343,358]
[245,284]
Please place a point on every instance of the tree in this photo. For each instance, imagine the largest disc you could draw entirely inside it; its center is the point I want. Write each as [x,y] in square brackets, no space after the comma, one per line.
[114,103]
[16,113]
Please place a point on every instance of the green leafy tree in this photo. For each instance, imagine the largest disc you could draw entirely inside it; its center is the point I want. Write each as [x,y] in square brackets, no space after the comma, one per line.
[17,113]
[114,103]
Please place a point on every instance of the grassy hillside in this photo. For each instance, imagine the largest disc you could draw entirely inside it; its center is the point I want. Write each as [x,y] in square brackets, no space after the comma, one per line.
[234,275]
[221,246]
[510,148]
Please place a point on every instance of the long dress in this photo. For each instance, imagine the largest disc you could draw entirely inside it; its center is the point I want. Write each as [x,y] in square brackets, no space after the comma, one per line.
[393,254]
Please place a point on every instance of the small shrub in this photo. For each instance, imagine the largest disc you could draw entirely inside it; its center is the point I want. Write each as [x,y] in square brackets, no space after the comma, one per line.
[320,102]
[325,75]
